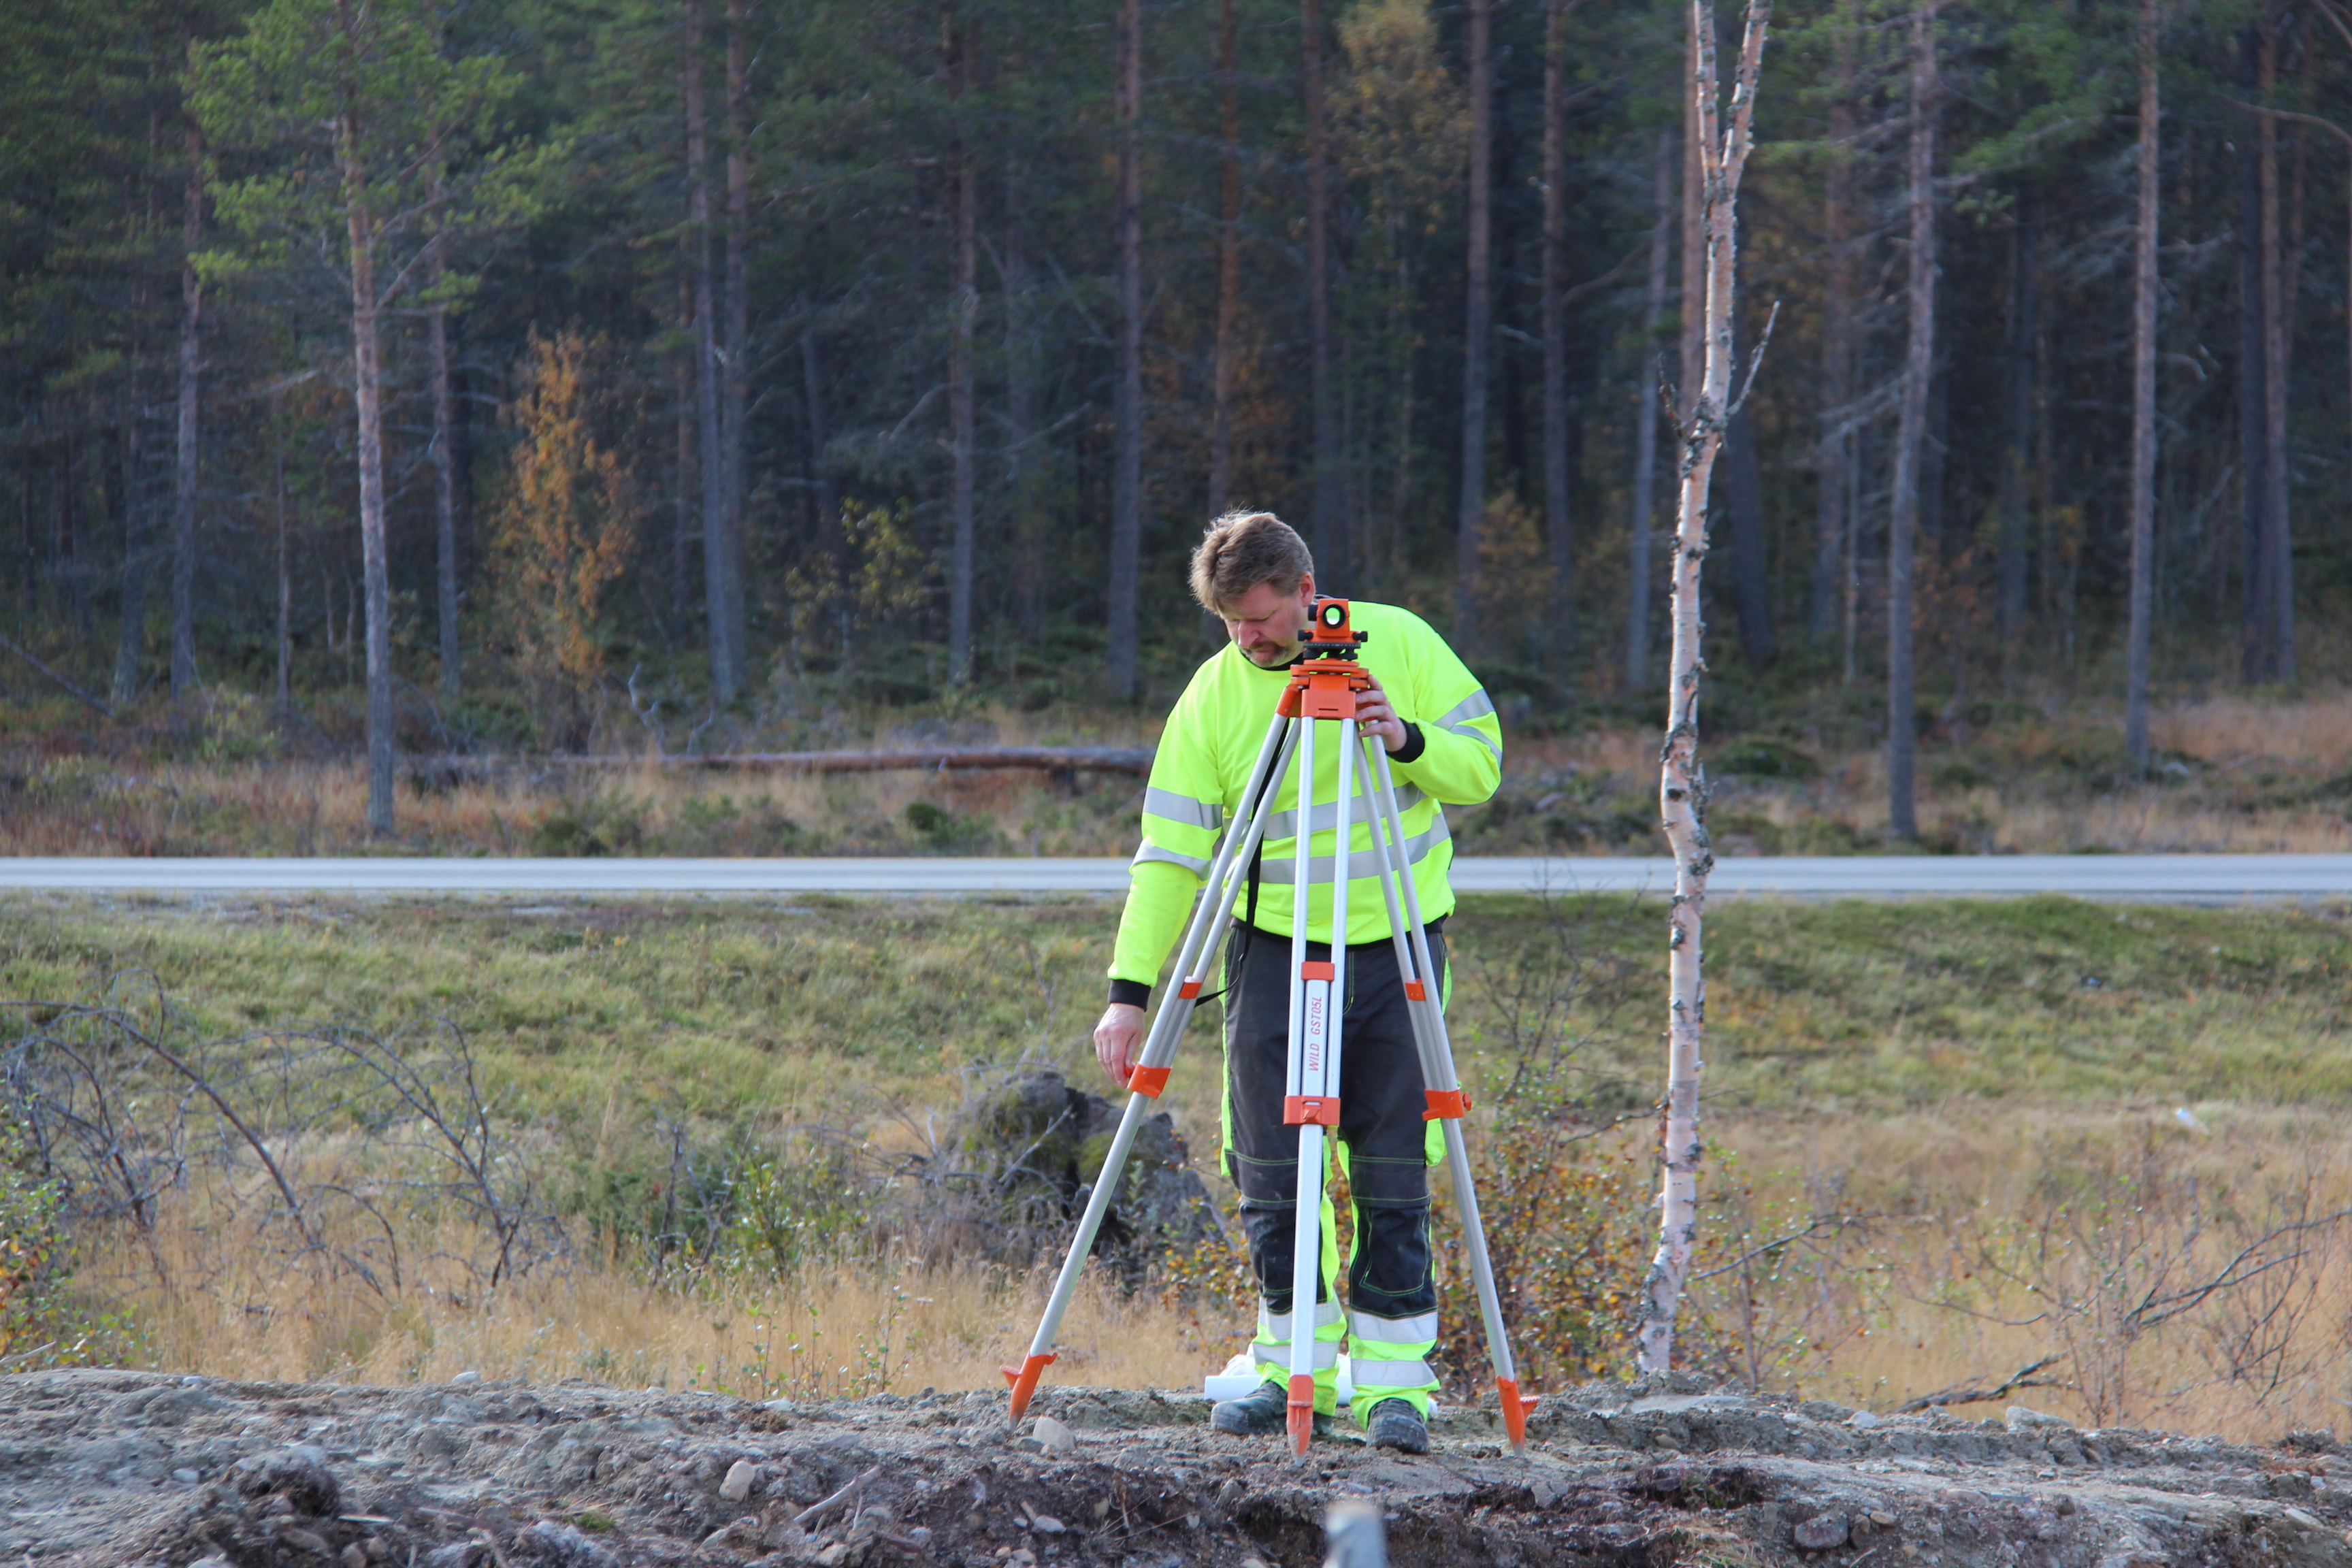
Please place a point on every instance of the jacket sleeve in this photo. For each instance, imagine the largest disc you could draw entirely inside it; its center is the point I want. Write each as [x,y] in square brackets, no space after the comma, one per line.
[1460,761]
[1183,809]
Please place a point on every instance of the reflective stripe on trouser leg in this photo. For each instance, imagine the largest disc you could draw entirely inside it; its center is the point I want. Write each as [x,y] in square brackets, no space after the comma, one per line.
[1387,1358]
[1271,1349]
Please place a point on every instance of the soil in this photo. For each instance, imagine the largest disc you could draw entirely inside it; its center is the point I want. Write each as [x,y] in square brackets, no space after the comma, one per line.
[100,1466]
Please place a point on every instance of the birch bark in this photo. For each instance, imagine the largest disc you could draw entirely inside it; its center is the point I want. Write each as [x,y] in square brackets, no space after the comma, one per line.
[1682,789]
[2143,496]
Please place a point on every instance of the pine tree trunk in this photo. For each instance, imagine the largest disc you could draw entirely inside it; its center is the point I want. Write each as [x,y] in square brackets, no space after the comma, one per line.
[1229,263]
[829,541]
[963,198]
[1682,789]
[716,588]
[1751,599]
[2143,496]
[183,494]
[735,387]
[1911,431]
[285,560]
[445,465]
[367,398]
[2017,445]
[131,633]
[1478,325]
[1329,528]
[1560,555]
[1019,416]
[2253,419]
[1127,479]
[2278,559]
[1837,351]
[1645,423]
[682,528]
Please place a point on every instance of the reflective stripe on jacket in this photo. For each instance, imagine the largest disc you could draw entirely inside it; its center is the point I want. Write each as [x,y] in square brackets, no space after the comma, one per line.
[1213,737]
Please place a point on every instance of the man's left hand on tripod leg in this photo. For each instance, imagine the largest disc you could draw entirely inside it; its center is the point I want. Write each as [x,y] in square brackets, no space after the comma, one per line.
[1376,717]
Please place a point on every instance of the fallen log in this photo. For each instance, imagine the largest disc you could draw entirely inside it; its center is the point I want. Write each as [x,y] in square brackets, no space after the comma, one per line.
[1135,760]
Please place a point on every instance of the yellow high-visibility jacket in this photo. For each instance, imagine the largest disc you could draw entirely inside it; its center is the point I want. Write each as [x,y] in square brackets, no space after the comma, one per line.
[1453,755]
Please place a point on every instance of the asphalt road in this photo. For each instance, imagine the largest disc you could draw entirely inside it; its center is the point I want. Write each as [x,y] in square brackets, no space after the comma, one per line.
[2170,878]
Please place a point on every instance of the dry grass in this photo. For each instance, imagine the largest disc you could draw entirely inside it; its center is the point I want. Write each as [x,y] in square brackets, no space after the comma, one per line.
[900,1326]
[2237,774]
[1987,1244]
[2192,1279]
[2234,774]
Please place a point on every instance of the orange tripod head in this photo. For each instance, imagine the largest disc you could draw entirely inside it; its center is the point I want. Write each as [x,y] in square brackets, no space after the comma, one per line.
[1324,683]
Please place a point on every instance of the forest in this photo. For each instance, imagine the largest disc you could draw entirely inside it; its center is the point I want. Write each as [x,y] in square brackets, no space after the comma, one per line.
[477,374]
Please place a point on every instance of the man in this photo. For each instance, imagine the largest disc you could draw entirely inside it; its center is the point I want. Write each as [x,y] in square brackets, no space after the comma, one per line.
[1444,745]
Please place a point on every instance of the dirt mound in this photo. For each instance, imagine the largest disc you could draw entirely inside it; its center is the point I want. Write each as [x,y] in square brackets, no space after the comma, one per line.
[122,1468]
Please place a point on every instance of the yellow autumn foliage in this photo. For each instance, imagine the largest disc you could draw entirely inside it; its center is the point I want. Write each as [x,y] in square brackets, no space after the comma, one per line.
[562,532]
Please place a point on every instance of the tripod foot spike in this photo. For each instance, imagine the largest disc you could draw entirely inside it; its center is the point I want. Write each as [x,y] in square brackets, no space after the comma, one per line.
[1302,1413]
[1023,1379]
[1515,1413]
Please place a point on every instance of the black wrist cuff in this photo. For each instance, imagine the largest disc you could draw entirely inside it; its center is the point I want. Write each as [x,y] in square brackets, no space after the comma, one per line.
[1415,743]
[1134,992]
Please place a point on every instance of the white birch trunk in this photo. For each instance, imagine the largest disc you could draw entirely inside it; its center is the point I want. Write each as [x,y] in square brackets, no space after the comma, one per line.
[1722,157]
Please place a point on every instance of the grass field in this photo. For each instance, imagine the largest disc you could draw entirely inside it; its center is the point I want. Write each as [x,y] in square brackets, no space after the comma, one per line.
[1962,1113]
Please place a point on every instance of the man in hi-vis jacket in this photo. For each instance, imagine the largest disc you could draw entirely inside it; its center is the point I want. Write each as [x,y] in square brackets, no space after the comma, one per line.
[1445,746]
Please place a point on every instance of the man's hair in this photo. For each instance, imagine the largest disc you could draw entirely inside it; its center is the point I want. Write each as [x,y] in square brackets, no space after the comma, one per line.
[1243,550]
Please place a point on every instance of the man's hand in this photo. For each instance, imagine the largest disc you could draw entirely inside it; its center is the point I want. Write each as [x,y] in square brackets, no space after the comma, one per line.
[1116,1039]
[1375,717]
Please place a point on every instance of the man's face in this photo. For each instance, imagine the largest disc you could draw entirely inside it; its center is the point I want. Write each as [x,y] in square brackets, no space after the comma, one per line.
[1269,624]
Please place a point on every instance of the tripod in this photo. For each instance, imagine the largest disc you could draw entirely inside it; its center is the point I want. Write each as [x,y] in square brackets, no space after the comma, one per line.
[1323,689]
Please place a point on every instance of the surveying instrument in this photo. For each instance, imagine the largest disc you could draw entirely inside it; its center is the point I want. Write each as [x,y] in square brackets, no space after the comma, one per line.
[1323,688]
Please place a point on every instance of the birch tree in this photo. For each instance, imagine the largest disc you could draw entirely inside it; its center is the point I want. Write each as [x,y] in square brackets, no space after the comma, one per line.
[1682,787]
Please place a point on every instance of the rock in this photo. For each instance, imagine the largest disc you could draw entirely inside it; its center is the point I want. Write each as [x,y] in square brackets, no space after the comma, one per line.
[1823,1532]
[564,1547]
[2020,1419]
[296,1473]
[1863,1421]
[1052,1436]
[304,1539]
[1886,1520]
[1047,1524]
[465,1379]
[740,1475]
[456,1554]
[353,1556]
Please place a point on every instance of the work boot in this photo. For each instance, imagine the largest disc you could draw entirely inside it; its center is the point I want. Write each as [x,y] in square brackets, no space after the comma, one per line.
[1264,1409]
[1395,1424]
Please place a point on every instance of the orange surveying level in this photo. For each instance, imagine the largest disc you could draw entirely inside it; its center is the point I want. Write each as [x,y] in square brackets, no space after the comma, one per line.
[1323,689]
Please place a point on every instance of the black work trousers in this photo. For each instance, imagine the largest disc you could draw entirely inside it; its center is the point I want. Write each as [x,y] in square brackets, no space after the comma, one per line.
[1381,1133]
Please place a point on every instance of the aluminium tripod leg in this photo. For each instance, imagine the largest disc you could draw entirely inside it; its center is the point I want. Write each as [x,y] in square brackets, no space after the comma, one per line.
[1319,991]
[1193,957]
[1443,1088]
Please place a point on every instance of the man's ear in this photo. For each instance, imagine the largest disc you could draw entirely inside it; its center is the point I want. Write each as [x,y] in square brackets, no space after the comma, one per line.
[1307,590]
